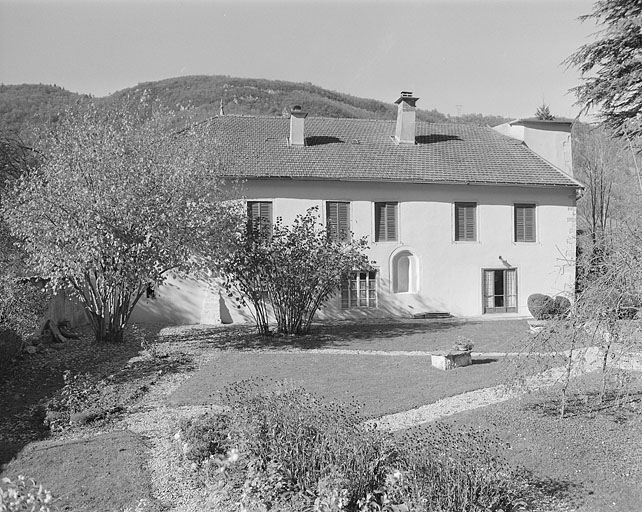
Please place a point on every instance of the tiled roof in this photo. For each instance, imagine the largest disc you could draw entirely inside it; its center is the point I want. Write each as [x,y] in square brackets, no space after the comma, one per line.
[357,149]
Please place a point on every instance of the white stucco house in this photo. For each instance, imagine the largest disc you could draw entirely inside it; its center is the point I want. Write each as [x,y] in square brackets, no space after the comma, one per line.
[461,219]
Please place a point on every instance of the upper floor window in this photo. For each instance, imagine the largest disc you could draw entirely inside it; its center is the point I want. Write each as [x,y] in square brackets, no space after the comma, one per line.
[465,222]
[386,222]
[525,223]
[337,220]
[259,214]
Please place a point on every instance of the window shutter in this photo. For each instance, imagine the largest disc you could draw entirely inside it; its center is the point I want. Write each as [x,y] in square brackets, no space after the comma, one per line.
[391,221]
[338,220]
[385,222]
[260,216]
[465,222]
[524,223]
[343,221]
[380,228]
[331,219]
[253,210]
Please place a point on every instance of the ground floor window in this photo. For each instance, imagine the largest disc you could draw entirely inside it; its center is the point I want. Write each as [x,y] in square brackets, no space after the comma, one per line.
[500,291]
[360,290]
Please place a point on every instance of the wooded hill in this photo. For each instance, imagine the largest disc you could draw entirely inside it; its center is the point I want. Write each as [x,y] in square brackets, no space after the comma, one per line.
[25,104]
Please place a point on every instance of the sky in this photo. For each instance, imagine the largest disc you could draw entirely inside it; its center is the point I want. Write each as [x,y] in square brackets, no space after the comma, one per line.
[499,57]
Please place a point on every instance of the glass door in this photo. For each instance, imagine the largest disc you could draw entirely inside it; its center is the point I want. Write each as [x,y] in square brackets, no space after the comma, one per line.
[500,291]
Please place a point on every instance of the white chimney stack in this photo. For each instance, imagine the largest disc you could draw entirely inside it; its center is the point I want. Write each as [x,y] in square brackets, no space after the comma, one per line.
[405,132]
[297,126]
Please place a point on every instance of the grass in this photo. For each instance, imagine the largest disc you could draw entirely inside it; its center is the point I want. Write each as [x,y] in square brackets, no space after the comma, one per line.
[383,384]
[592,460]
[97,474]
[383,335]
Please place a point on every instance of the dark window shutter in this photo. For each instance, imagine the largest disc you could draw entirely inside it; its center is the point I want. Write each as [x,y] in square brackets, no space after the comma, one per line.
[380,228]
[391,221]
[331,219]
[343,220]
[260,216]
[525,223]
[385,222]
[465,222]
[338,220]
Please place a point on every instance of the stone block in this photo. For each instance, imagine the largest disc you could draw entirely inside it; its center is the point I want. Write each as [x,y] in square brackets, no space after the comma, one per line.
[451,360]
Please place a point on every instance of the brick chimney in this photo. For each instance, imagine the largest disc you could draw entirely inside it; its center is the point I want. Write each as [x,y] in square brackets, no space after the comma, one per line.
[405,133]
[297,126]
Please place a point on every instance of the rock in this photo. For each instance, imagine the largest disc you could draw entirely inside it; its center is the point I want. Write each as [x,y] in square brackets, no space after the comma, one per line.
[30,349]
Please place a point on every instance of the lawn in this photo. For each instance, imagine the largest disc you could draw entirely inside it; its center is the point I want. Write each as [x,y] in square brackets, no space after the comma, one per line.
[591,462]
[382,335]
[381,384]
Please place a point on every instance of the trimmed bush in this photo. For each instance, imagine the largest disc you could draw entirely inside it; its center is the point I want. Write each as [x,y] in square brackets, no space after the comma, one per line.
[541,306]
[562,306]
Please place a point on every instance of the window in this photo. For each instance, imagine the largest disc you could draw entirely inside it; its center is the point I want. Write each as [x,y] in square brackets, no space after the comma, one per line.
[465,222]
[500,291]
[385,222]
[525,223]
[360,291]
[259,215]
[337,220]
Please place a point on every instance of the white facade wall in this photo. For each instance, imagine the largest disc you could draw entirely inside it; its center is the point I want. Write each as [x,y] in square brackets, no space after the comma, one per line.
[447,274]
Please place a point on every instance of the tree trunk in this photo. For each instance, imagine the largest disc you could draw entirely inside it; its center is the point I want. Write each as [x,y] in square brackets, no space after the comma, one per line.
[56,335]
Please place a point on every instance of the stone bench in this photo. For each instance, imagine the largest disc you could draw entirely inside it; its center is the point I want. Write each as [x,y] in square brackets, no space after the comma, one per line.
[451,360]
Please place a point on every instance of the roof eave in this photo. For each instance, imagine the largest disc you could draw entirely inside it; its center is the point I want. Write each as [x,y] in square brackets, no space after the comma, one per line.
[577,185]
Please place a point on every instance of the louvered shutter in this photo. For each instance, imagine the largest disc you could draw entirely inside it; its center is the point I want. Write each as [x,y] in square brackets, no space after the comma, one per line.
[260,216]
[343,221]
[391,221]
[524,223]
[465,222]
[331,219]
[385,222]
[338,220]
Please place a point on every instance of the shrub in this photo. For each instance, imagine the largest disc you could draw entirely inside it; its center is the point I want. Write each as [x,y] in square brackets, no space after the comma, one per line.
[78,394]
[541,306]
[562,306]
[204,437]
[289,441]
[295,269]
[22,303]
[448,468]
[24,495]
[300,453]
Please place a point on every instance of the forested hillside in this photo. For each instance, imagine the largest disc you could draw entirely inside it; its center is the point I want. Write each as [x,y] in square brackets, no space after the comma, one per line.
[21,105]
